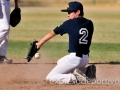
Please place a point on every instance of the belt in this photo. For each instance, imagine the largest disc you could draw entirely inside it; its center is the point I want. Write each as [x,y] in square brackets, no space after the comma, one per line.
[80,55]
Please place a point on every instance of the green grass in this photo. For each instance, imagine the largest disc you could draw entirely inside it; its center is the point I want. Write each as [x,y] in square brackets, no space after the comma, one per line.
[54,50]
[38,21]
[105,52]
[51,50]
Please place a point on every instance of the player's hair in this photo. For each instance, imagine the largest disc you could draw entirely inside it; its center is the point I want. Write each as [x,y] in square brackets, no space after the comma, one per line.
[81,14]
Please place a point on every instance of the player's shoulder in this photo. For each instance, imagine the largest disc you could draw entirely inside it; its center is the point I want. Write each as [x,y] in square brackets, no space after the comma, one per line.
[88,20]
[67,22]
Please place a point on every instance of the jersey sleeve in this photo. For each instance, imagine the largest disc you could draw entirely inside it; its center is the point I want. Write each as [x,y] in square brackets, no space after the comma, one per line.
[62,29]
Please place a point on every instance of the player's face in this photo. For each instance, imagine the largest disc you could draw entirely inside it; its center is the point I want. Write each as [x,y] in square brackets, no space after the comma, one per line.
[72,14]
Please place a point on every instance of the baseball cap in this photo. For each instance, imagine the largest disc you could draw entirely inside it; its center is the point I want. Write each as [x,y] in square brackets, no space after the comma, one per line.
[73,6]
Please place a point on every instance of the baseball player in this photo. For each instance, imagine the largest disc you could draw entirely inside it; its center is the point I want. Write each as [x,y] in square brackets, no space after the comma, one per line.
[80,31]
[5,28]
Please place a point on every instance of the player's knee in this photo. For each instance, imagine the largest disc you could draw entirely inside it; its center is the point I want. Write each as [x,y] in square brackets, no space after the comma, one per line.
[5,30]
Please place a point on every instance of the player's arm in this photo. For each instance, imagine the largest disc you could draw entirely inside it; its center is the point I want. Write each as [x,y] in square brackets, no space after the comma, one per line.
[45,39]
[16,3]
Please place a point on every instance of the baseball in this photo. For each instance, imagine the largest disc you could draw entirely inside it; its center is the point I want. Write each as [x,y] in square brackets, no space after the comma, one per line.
[37,55]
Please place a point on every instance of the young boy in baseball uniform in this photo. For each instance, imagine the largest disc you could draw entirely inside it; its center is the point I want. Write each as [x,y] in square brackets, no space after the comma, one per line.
[80,31]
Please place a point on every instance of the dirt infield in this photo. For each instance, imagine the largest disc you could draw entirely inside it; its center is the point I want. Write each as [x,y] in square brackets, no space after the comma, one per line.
[30,76]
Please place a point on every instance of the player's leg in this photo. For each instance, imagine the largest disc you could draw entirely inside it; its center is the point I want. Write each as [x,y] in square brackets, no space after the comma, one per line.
[60,73]
[82,66]
[4,29]
[90,70]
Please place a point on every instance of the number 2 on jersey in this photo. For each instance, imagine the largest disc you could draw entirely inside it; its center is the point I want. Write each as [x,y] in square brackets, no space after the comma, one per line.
[84,33]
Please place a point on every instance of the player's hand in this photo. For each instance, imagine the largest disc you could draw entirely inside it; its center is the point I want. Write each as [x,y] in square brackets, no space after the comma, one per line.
[38,46]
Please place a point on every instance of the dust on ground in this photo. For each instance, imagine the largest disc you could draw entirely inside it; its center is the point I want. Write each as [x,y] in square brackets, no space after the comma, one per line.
[21,75]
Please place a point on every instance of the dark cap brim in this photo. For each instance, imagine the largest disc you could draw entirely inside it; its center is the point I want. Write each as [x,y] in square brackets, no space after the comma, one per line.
[64,10]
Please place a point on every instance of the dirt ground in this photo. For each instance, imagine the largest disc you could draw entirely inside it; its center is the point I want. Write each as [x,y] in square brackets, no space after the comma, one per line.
[21,75]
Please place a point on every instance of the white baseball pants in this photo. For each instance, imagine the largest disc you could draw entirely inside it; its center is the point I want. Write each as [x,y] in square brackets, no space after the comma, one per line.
[4,25]
[61,72]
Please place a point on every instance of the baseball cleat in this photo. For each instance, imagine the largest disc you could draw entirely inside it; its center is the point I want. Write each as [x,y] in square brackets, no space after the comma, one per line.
[91,71]
[3,59]
[81,77]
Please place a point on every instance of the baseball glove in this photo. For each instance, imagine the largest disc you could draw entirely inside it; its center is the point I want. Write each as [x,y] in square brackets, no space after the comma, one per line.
[15,17]
[32,50]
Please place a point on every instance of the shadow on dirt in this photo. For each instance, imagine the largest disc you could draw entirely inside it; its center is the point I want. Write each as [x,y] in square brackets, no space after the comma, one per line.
[25,63]
[111,62]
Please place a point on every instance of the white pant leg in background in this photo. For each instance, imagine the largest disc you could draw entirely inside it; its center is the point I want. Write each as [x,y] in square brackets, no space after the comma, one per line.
[4,25]
[61,72]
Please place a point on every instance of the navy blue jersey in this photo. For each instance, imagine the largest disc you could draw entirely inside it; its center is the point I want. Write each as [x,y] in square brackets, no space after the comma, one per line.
[80,32]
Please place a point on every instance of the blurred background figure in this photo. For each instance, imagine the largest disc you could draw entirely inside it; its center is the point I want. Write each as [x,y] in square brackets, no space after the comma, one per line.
[5,28]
